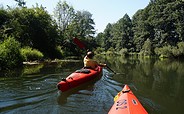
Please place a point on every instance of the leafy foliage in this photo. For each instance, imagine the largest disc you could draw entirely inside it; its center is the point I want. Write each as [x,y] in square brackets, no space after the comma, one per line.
[181,47]
[147,48]
[4,18]
[64,14]
[34,27]
[157,27]
[30,54]
[73,23]
[10,53]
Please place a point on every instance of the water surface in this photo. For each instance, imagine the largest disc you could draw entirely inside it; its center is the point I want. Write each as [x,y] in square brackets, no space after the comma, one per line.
[157,84]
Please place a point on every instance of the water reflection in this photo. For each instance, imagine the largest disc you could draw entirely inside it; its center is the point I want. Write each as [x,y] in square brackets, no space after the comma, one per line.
[93,97]
[32,89]
[158,82]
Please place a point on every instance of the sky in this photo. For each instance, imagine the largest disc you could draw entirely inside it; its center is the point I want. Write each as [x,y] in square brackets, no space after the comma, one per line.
[103,11]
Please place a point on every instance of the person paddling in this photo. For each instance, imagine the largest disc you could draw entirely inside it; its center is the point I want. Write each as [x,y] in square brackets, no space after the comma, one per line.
[90,63]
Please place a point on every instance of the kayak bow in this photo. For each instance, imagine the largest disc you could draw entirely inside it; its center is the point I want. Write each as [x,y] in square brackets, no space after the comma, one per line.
[79,77]
[125,102]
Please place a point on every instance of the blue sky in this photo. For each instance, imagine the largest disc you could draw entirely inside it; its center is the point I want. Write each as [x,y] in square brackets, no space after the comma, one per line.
[103,11]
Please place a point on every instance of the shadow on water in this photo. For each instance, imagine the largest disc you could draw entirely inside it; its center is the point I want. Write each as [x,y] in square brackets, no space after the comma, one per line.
[95,96]
[157,84]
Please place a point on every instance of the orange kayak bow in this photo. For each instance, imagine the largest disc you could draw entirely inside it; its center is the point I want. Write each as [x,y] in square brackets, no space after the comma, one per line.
[125,102]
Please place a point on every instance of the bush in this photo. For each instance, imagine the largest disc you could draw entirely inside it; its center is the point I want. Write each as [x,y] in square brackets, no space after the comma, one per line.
[30,54]
[111,51]
[123,51]
[181,47]
[164,52]
[175,52]
[10,56]
[99,50]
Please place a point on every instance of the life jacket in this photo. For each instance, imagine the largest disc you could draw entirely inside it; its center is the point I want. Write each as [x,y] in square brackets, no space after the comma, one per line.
[90,63]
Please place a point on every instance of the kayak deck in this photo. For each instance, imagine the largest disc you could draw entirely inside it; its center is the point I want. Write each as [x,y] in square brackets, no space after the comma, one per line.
[127,103]
[79,77]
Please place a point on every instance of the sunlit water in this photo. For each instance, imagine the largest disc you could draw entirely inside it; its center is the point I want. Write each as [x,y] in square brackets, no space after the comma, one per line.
[157,84]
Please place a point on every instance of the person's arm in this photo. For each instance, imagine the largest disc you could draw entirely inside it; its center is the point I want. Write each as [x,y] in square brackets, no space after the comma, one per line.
[101,64]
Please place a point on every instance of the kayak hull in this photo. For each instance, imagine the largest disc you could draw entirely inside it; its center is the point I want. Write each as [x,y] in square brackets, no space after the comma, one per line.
[78,78]
[127,103]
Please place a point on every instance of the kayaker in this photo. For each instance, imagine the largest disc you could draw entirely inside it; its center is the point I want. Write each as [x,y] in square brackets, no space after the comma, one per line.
[90,63]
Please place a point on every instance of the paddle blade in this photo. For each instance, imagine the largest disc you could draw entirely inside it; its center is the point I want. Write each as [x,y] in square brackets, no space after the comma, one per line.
[78,43]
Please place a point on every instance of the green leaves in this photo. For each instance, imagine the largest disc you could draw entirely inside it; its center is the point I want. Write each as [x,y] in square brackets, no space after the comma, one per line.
[10,56]
[118,35]
[160,22]
[159,26]
[30,54]
[64,14]
[73,23]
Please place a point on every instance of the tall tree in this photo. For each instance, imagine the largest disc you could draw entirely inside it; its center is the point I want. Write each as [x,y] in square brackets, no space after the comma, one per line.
[82,27]
[140,28]
[107,37]
[64,14]
[122,33]
[34,27]
[147,48]
[4,18]
[84,24]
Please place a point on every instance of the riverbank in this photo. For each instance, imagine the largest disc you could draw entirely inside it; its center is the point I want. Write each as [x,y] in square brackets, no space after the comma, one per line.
[48,61]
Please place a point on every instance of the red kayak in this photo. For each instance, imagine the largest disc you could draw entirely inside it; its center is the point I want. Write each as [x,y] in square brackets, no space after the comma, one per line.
[79,77]
[127,103]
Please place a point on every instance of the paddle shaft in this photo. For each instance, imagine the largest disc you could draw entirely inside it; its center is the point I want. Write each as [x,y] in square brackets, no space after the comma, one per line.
[111,69]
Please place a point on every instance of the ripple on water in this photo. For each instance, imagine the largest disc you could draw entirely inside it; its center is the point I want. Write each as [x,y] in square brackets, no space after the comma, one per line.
[95,97]
[24,93]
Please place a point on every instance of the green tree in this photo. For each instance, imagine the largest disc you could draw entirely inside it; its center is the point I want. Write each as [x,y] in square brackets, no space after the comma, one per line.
[161,22]
[83,28]
[147,48]
[4,18]
[122,33]
[34,27]
[84,24]
[64,13]
[141,28]
[107,37]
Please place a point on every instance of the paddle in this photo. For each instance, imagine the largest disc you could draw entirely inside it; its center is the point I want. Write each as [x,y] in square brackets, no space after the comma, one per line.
[82,46]
[111,69]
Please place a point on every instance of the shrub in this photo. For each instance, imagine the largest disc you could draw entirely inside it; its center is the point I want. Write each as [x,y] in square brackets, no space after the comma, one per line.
[10,56]
[99,50]
[110,51]
[123,51]
[164,52]
[175,52]
[181,47]
[30,54]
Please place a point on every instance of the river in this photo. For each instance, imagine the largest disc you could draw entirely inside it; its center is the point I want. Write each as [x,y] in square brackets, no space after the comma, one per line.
[158,84]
